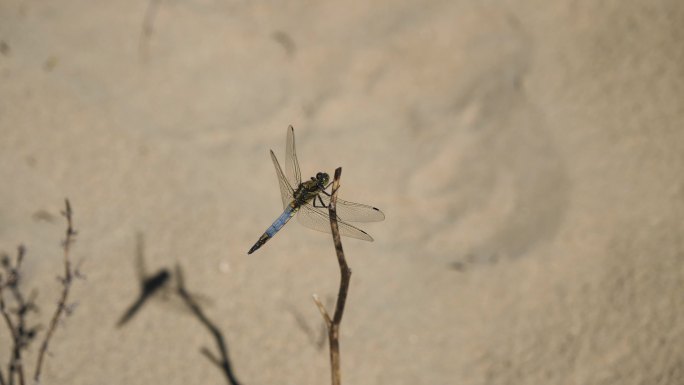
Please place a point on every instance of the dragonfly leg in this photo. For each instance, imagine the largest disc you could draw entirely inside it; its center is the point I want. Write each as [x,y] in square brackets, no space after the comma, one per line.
[319,200]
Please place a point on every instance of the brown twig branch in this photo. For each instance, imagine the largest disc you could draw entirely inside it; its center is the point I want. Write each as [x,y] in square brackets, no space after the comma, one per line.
[21,334]
[24,334]
[223,363]
[14,366]
[333,323]
[66,285]
[318,336]
[10,326]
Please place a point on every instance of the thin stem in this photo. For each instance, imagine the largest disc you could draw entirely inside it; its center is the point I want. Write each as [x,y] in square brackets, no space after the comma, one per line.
[66,285]
[14,364]
[20,335]
[321,309]
[345,276]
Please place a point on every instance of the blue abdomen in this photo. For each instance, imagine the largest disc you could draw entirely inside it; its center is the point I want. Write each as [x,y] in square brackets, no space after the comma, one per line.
[281,221]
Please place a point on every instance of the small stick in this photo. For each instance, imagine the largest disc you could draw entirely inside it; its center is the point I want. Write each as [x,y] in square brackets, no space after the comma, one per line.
[66,284]
[23,308]
[15,361]
[321,308]
[19,332]
[333,324]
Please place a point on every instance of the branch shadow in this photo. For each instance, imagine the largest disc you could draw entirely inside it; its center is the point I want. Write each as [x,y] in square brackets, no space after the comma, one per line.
[149,284]
[158,284]
[223,362]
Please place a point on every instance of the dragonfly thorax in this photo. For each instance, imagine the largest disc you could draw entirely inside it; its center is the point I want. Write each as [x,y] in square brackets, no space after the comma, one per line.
[309,189]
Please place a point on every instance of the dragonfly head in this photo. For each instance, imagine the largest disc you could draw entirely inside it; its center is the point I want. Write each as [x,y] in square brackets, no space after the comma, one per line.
[322,179]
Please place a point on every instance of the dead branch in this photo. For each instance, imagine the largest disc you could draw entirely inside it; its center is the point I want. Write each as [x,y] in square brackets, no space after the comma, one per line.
[333,323]
[66,285]
[20,333]
[15,368]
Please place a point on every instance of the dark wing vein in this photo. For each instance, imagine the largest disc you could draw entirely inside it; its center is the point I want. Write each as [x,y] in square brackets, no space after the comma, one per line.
[292,171]
[286,191]
[355,212]
[319,220]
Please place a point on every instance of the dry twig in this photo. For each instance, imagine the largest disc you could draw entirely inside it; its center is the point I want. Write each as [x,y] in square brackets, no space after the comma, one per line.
[15,368]
[66,285]
[15,317]
[21,334]
[333,323]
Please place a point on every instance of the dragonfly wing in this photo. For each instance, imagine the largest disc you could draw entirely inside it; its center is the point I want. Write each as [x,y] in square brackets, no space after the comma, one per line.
[355,212]
[292,171]
[318,219]
[286,191]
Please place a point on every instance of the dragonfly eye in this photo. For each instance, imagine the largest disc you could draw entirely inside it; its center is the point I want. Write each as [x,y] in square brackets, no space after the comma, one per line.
[323,178]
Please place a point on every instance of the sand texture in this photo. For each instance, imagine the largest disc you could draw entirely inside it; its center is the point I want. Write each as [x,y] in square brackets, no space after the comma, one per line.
[528,155]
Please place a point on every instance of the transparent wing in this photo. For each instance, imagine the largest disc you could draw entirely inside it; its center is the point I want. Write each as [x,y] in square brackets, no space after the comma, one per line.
[317,219]
[294,176]
[286,191]
[355,212]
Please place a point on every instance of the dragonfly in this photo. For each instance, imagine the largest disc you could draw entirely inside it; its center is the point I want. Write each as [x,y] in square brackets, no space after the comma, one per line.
[309,201]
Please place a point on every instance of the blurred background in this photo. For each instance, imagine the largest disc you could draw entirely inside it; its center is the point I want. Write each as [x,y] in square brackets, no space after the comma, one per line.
[528,156]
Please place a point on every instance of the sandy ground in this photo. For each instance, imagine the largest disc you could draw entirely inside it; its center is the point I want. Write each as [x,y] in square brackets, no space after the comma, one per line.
[529,156]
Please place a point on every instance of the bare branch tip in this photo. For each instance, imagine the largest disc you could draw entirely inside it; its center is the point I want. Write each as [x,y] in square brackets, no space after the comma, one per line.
[322,310]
